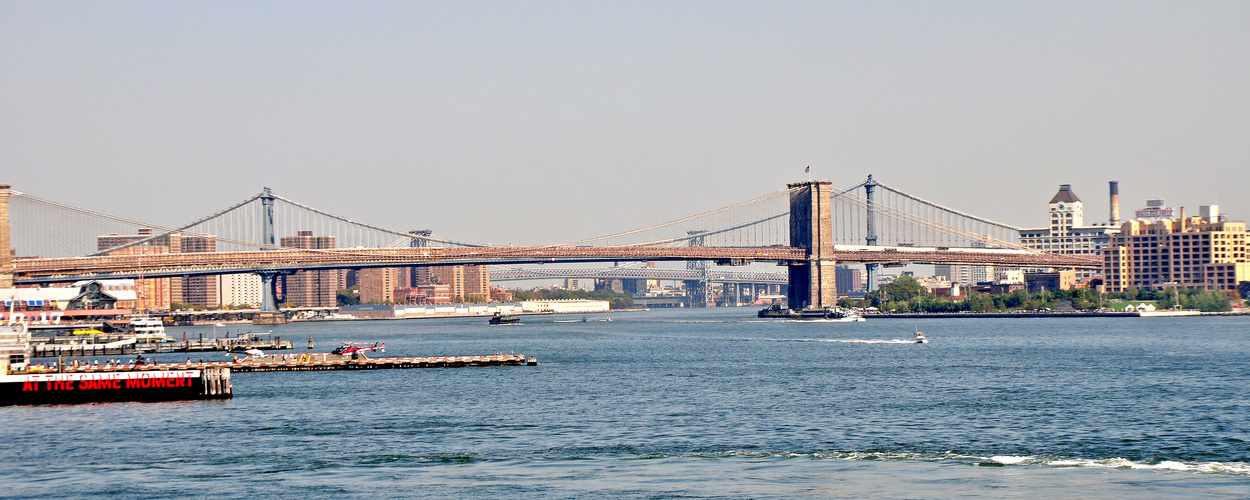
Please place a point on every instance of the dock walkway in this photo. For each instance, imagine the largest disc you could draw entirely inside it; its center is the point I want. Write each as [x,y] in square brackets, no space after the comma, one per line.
[311,362]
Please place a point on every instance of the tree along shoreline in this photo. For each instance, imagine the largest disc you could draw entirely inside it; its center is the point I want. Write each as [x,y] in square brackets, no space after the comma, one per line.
[906,295]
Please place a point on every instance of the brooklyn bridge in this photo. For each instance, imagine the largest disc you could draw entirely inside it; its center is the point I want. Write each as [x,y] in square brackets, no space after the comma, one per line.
[808,227]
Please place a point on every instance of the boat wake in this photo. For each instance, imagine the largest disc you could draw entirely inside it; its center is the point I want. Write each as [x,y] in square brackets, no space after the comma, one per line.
[1230,468]
[849,341]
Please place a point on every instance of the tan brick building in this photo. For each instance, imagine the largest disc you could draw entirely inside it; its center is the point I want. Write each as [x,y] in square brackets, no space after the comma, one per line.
[378,284]
[466,283]
[1194,252]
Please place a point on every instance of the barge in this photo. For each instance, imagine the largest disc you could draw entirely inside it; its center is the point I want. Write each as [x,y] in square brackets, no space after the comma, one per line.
[99,387]
[24,384]
[775,311]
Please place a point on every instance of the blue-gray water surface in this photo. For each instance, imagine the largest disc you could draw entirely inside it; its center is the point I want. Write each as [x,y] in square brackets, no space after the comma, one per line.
[688,403]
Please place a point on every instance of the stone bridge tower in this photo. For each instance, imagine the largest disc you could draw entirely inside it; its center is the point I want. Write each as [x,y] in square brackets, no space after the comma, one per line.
[813,283]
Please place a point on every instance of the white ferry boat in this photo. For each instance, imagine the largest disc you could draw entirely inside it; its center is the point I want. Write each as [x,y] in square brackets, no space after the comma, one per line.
[149,329]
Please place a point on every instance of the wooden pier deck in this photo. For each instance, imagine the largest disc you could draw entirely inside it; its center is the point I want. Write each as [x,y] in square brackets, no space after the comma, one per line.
[101,348]
[311,362]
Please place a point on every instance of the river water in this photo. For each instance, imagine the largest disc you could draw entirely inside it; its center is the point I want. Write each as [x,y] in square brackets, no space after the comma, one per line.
[689,403]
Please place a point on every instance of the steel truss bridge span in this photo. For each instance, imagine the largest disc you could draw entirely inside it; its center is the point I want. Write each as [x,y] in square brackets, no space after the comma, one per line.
[37,271]
[865,254]
[779,278]
[34,271]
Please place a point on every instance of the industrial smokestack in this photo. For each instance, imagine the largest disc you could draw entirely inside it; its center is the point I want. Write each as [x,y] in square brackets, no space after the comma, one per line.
[1115,203]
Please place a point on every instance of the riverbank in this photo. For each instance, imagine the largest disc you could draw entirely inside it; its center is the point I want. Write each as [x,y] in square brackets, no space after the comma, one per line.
[1052,314]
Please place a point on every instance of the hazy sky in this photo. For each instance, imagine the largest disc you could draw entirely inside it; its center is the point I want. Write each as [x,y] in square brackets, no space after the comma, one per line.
[481,120]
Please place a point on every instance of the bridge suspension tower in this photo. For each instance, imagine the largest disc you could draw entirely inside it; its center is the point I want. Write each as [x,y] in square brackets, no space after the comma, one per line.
[269,313]
[813,282]
[870,189]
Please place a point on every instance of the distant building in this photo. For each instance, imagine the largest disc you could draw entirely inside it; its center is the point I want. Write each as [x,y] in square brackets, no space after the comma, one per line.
[500,295]
[613,284]
[476,284]
[195,290]
[1004,288]
[317,288]
[239,290]
[465,283]
[153,294]
[1067,232]
[377,285]
[965,274]
[1188,252]
[1008,276]
[104,294]
[1050,281]
[849,280]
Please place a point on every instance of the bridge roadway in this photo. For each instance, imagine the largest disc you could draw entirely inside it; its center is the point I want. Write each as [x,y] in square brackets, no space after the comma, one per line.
[53,270]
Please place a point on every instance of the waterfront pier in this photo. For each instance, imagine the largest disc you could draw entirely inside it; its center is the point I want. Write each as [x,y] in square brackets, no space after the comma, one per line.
[307,362]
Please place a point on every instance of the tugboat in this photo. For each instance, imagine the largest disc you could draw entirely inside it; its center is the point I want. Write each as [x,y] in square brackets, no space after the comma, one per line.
[775,311]
[505,319]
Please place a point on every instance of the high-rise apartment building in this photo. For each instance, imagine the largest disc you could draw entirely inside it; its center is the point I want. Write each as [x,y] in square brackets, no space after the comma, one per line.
[378,284]
[466,283]
[1188,252]
[239,290]
[200,290]
[477,283]
[317,288]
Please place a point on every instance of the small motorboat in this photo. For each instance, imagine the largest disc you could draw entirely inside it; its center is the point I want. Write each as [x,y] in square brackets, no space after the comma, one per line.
[920,339]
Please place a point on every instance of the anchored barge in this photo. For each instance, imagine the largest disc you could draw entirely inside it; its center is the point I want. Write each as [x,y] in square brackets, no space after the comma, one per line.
[775,311]
[22,384]
[98,387]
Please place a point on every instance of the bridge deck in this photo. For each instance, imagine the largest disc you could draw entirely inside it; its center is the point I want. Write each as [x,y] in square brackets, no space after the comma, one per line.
[191,264]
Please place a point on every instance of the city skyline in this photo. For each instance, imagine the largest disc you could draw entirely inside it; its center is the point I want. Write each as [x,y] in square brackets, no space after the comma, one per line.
[638,114]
